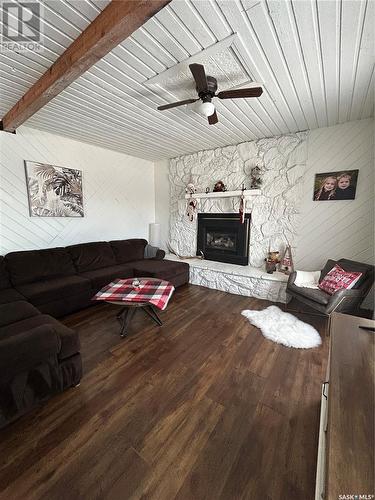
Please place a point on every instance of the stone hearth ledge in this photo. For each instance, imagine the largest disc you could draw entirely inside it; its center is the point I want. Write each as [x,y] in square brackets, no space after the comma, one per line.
[240,280]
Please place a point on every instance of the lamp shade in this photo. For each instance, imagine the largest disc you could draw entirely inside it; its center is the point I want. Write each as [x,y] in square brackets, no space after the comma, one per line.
[155,234]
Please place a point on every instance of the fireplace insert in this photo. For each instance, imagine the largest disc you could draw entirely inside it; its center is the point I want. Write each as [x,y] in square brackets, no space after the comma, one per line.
[223,238]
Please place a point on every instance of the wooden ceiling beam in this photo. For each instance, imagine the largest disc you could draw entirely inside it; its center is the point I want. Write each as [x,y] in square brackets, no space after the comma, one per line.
[113,25]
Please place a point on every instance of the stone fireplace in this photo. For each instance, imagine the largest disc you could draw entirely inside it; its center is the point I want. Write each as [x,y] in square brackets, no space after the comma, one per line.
[222,238]
[274,220]
[275,213]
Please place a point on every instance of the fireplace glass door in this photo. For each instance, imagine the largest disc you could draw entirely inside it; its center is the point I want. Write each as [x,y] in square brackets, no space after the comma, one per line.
[223,238]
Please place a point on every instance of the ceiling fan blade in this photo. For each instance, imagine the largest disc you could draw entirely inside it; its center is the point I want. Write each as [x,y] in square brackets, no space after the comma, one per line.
[233,94]
[175,104]
[200,78]
[213,118]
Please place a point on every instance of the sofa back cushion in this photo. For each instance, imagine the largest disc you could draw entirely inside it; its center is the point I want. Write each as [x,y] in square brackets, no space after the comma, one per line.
[128,250]
[35,265]
[4,275]
[91,256]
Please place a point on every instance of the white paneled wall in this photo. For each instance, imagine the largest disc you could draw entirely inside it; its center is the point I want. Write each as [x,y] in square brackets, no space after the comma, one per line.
[118,193]
[337,229]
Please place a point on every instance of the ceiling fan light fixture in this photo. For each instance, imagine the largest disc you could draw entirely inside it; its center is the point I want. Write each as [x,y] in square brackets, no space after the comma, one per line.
[206,87]
[207,108]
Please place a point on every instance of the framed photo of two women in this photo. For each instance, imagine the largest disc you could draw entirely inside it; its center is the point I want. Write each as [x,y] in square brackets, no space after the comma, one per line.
[335,186]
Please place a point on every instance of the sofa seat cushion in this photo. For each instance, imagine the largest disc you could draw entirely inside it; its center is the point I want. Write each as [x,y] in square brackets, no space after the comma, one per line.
[163,269]
[128,250]
[180,279]
[10,295]
[69,338]
[49,290]
[102,277]
[91,256]
[66,305]
[34,265]
[16,311]
[311,293]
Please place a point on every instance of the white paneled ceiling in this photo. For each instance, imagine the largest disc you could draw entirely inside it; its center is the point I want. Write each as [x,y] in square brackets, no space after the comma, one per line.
[314,58]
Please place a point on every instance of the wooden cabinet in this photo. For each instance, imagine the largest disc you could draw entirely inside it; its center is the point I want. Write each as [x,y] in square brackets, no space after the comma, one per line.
[346,438]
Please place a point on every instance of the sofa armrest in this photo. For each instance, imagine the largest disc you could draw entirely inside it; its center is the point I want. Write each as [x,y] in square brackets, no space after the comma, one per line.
[154,253]
[292,278]
[160,254]
[353,292]
[344,300]
[23,351]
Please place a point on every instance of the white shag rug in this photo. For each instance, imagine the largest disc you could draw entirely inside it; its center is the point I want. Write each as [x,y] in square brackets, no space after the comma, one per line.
[283,328]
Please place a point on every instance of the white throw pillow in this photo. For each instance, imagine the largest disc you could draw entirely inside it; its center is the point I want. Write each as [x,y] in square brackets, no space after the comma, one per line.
[307,279]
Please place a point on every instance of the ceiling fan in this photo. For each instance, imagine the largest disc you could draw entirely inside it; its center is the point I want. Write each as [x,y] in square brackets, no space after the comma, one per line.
[206,88]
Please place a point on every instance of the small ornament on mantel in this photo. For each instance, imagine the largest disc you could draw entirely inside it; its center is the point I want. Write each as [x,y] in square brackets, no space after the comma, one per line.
[190,188]
[191,209]
[255,178]
[273,258]
[219,187]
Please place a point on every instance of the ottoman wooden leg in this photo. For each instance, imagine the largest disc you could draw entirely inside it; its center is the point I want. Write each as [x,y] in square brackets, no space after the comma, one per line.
[150,311]
[126,316]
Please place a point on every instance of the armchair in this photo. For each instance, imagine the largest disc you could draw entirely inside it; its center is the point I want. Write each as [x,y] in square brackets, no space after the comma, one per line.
[341,301]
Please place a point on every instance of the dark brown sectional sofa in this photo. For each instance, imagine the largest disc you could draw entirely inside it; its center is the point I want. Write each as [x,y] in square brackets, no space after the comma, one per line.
[39,356]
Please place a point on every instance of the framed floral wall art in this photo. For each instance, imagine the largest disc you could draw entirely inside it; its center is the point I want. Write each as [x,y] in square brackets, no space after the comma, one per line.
[53,191]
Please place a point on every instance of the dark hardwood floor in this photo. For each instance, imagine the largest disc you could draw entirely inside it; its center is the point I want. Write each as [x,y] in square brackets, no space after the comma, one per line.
[202,408]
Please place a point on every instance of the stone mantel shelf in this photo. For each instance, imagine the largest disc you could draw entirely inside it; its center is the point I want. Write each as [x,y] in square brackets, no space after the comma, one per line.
[225,194]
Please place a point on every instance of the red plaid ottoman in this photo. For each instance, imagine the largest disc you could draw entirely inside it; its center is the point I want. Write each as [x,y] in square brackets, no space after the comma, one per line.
[145,294]
[153,291]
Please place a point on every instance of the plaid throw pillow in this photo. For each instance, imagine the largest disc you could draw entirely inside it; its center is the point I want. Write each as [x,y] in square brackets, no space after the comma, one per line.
[338,279]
